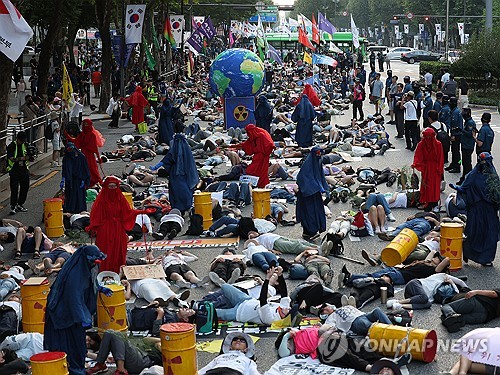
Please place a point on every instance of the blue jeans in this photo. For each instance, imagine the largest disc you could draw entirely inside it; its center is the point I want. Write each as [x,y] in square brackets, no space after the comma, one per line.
[393,273]
[263,260]
[376,199]
[235,298]
[229,223]
[362,323]
[276,209]
[283,194]
[237,193]
[6,286]
[419,225]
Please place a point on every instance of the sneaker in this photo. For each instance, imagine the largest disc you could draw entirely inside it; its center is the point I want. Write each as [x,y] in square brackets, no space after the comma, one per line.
[383,149]
[12,211]
[391,217]
[371,261]
[325,248]
[216,279]
[97,369]
[184,295]
[329,277]
[158,236]
[21,208]
[351,301]
[203,281]
[396,305]
[340,280]
[172,234]
[208,233]
[296,320]
[390,303]
[386,236]
[183,284]
[234,276]
[344,300]
[453,323]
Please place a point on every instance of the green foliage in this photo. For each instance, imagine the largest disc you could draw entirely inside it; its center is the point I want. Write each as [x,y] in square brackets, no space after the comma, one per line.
[434,67]
[489,96]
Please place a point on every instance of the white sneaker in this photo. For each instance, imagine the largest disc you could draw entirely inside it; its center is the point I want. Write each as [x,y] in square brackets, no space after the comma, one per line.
[391,217]
[352,301]
[183,284]
[216,279]
[390,303]
[344,300]
[234,276]
[397,306]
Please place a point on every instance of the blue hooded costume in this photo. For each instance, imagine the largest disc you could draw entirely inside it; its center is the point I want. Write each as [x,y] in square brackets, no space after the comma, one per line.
[71,303]
[481,189]
[263,114]
[75,177]
[311,182]
[183,175]
[304,115]
[166,123]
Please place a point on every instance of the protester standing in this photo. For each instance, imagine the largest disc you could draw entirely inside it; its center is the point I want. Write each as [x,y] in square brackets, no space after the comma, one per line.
[467,143]
[456,127]
[166,123]
[263,113]
[412,131]
[20,93]
[358,95]
[75,178]
[303,115]
[138,102]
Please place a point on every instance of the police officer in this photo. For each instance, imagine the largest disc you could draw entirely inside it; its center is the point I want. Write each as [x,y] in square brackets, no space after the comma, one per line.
[17,166]
[467,143]
[456,128]
[445,117]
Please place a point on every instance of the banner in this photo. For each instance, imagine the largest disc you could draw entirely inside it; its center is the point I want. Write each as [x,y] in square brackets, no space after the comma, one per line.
[177,24]
[307,58]
[67,91]
[198,20]
[460,28]
[298,365]
[324,60]
[355,33]
[325,25]
[116,47]
[438,32]
[196,40]
[14,31]
[128,52]
[207,28]
[421,28]
[273,54]
[135,20]
[396,29]
[406,28]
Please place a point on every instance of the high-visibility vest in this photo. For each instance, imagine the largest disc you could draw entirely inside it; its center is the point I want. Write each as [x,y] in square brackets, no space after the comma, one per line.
[10,163]
[152,94]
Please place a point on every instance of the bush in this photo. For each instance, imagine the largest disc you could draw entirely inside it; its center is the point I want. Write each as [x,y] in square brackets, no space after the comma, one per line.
[485,97]
[434,67]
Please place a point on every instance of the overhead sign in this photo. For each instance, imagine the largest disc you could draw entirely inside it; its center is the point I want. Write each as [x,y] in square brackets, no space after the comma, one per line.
[270,17]
[409,15]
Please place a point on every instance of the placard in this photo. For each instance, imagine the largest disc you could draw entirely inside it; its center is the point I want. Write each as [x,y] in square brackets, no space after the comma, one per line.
[145,271]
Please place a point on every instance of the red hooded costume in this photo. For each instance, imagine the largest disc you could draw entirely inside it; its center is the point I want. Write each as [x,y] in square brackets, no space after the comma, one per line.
[89,141]
[110,218]
[138,102]
[260,145]
[311,95]
[429,160]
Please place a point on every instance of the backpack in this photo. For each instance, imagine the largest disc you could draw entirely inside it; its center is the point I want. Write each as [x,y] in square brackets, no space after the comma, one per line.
[338,246]
[8,322]
[141,319]
[400,317]
[49,134]
[195,225]
[206,318]
[444,293]
[443,137]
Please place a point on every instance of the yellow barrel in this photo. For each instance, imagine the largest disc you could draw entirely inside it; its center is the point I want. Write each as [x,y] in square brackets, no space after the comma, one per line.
[34,292]
[261,203]
[399,248]
[111,312]
[203,206]
[53,217]
[385,338]
[128,197]
[178,349]
[451,244]
[49,363]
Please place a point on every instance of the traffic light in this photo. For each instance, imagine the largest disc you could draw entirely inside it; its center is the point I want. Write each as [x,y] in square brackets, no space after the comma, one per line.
[426,18]
[394,17]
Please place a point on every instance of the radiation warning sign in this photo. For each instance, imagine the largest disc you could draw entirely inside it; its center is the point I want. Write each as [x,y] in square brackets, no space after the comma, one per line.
[239,111]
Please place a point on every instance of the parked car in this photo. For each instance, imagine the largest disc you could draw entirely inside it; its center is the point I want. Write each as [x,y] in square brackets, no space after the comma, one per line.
[377,49]
[395,53]
[452,56]
[419,55]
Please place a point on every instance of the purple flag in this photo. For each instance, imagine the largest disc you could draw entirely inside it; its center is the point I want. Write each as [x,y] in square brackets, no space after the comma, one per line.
[196,40]
[207,28]
[325,25]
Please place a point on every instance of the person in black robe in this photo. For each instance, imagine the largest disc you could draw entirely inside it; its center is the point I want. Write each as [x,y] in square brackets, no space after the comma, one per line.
[311,185]
[263,114]
[75,179]
[304,115]
[166,123]
[71,303]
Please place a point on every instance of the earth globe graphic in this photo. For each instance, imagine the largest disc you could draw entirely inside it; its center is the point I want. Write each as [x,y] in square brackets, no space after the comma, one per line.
[236,72]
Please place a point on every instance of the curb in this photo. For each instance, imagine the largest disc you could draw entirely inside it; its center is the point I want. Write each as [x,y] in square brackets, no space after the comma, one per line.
[491,107]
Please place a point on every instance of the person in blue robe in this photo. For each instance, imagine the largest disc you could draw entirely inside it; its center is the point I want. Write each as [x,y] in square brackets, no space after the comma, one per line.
[71,303]
[303,115]
[481,189]
[311,182]
[75,179]
[166,123]
[263,114]
[182,173]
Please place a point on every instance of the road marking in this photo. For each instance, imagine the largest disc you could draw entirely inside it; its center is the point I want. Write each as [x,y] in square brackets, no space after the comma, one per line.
[46,178]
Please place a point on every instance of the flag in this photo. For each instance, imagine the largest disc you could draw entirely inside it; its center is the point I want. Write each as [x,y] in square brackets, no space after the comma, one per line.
[231,39]
[438,32]
[207,29]
[325,25]
[194,26]
[67,93]
[177,24]
[293,23]
[273,54]
[135,20]
[14,31]
[315,32]
[355,33]
[420,28]
[406,28]
[324,60]
[304,21]
[307,58]
[460,28]
[261,35]
[196,40]
[167,33]
[304,40]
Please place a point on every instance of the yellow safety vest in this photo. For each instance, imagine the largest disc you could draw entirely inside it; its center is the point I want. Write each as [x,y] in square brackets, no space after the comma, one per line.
[10,163]
[152,94]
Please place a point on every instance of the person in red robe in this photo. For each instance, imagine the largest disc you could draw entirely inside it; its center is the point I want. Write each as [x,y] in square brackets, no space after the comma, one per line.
[111,217]
[429,161]
[89,141]
[311,95]
[138,102]
[260,145]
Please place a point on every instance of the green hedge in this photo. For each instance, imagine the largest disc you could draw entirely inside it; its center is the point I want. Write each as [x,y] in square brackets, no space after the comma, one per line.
[434,67]
[487,96]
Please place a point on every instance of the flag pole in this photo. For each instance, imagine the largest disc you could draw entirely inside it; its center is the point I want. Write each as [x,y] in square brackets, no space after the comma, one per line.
[122,53]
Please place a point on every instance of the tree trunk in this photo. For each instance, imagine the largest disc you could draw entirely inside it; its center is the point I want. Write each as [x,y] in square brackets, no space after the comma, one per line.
[6,67]
[47,48]
[72,30]
[103,14]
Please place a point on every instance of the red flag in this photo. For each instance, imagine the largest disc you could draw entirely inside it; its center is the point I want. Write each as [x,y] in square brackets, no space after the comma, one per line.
[315,30]
[304,40]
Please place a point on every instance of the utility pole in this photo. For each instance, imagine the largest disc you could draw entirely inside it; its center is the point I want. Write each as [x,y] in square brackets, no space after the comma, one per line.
[122,53]
[446,46]
[489,15]
[182,37]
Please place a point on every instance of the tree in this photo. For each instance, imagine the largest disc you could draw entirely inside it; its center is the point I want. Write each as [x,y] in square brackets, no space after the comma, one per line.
[6,67]
[103,11]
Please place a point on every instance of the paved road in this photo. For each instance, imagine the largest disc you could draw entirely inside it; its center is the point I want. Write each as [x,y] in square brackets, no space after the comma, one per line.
[428,319]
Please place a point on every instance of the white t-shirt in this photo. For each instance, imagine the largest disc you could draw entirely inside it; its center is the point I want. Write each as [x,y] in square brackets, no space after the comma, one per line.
[411,110]
[445,78]
[253,249]
[8,229]
[431,283]
[144,219]
[233,359]
[343,317]
[172,217]
[251,311]
[431,245]
[264,226]
[24,344]
[400,202]
[428,78]
[267,240]
[16,306]
[150,289]
[176,258]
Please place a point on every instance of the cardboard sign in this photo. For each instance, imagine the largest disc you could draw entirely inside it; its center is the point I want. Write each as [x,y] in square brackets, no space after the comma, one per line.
[146,271]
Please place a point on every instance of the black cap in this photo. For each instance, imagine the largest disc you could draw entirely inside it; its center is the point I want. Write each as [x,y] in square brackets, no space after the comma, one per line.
[21,136]
[486,117]
[439,95]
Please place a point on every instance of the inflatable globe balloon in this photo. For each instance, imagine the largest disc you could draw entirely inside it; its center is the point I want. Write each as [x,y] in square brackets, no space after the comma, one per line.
[236,72]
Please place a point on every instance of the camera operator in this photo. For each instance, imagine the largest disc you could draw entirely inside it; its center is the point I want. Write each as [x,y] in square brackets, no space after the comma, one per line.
[412,130]
[17,166]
